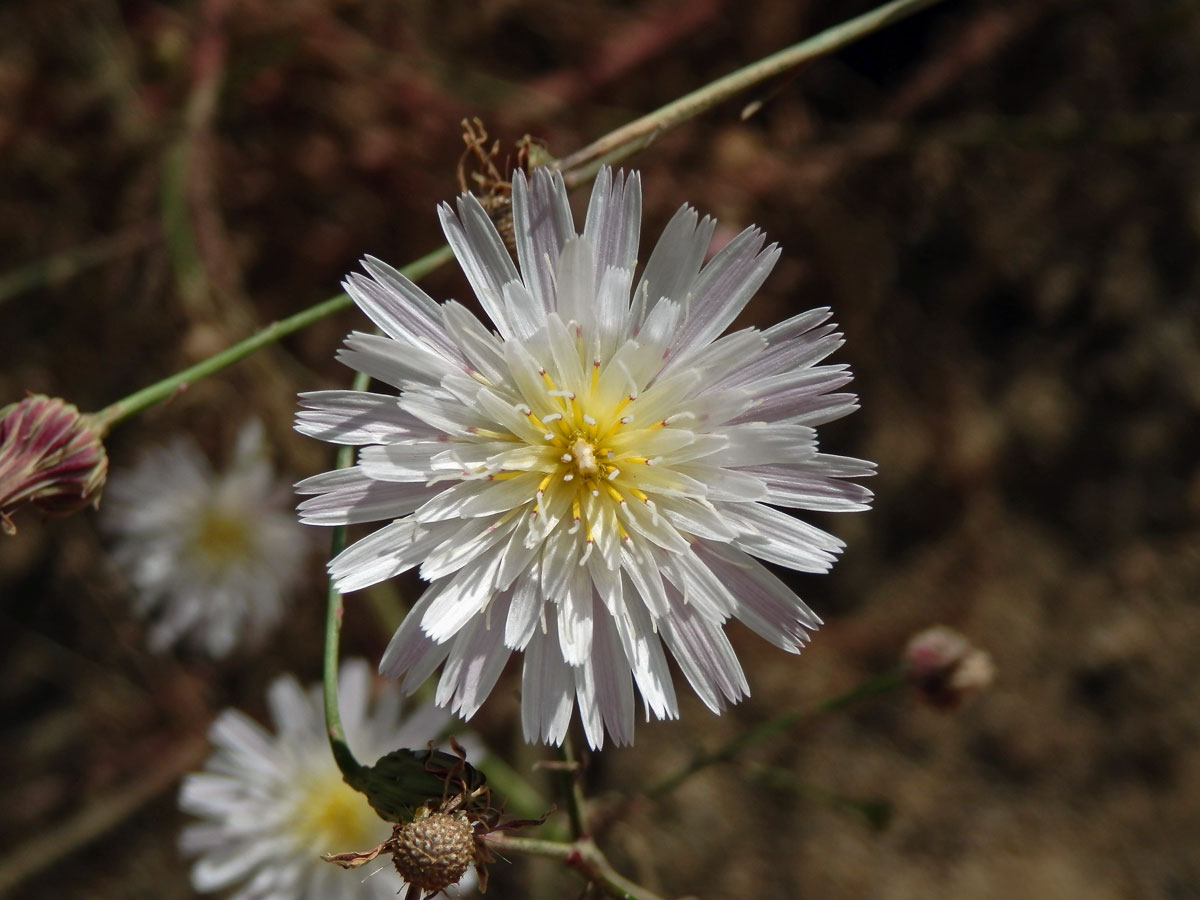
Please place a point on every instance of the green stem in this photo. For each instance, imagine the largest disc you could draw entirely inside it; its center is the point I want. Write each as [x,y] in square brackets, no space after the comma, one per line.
[581,165]
[161,390]
[350,767]
[582,855]
[881,684]
[576,808]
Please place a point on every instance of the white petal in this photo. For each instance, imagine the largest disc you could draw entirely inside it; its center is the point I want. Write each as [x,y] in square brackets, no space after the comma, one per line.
[393,549]
[482,256]
[613,220]
[397,364]
[542,223]
[674,262]
[475,663]
[525,612]
[474,538]
[547,689]
[722,289]
[575,623]
[407,461]
[765,604]
[604,689]
[576,281]
[503,495]
[353,497]
[357,417]
[644,652]
[705,656]
[411,652]
[782,539]
[400,308]
[817,485]
[463,596]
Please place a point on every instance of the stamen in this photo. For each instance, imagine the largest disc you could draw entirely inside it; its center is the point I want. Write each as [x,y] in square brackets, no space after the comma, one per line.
[629,380]
[566,457]
[568,476]
[613,473]
[586,417]
[553,417]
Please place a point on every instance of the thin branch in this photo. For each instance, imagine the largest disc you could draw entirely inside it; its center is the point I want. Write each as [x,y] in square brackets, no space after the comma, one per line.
[582,855]
[583,164]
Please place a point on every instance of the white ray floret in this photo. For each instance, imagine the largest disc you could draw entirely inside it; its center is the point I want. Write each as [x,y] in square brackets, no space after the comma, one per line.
[589,483]
[214,556]
[272,802]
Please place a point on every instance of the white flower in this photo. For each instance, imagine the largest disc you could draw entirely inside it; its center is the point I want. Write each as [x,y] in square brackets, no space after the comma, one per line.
[588,484]
[212,556]
[273,803]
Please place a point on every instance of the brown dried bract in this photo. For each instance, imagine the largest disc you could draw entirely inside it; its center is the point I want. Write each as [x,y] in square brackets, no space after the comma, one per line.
[479,174]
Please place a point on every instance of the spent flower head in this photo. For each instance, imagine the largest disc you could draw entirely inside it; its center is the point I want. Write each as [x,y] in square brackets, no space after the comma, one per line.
[274,802]
[213,556]
[51,457]
[588,483]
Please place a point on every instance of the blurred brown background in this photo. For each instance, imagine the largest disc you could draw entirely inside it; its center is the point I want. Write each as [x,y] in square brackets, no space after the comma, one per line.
[1001,201]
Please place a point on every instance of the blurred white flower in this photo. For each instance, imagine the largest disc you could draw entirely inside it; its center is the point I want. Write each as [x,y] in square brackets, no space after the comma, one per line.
[594,480]
[272,803]
[212,556]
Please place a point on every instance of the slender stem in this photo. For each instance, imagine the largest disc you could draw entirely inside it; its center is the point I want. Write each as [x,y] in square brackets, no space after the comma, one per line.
[350,767]
[582,164]
[582,855]
[161,390]
[576,807]
[881,684]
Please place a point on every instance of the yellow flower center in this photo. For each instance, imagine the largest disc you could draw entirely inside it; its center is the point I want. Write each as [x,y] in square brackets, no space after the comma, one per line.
[222,538]
[331,816]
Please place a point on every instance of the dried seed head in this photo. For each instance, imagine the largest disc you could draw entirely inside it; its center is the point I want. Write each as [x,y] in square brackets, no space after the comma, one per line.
[945,667]
[433,851]
[51,457]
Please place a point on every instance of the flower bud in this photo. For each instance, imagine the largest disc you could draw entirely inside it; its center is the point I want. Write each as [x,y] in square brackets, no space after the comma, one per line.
[945,667]
[51,456]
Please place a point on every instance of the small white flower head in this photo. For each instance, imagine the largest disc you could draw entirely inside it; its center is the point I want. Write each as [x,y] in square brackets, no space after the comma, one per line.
[274,802]
[589,483]
[212,556]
